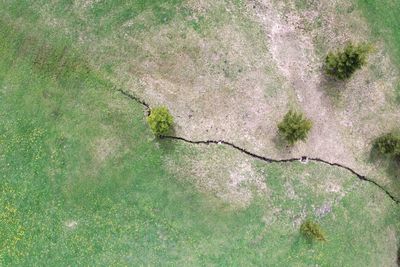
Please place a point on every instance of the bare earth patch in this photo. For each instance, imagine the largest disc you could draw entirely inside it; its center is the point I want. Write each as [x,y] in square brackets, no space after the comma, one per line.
[235,81]
[221,83]
[294,54]
[231,72]
[359,110]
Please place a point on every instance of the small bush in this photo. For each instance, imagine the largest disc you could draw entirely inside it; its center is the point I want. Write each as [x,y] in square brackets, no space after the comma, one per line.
[294,127]
[160,121]
[312,231]
[388,144]
[342,65]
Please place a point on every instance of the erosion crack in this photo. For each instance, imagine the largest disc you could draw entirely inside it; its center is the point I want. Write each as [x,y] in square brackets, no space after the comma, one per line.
[269,160]
[137,99]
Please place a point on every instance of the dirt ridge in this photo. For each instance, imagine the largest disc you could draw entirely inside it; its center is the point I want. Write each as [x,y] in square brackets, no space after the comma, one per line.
[265,159]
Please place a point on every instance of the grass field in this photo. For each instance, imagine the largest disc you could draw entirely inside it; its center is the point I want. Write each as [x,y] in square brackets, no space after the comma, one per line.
[84,182]
[226,73]
[384,22]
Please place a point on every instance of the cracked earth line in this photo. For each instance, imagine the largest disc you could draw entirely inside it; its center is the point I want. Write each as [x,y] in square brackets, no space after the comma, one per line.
[269,160]
[137,99]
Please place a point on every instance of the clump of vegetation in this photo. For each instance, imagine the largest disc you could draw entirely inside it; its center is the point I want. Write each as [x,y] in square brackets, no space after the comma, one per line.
[160,121]
[294,127]
[388,144]
[342,64]
[312,231]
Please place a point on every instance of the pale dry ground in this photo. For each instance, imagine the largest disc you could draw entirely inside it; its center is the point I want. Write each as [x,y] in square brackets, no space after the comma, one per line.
[220,85]
[236,78]
[347,116]
[104,148]
[243,103]
[235,84]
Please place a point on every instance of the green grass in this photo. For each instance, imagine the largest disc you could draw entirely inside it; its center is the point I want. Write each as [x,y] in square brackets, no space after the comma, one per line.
[58,116]
[384,20]
[50,174]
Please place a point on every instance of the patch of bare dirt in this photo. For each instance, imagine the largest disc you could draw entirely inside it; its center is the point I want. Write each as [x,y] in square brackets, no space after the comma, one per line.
[236,75]
[85,4]
[235,81]
[219,84]
[227,84]
[293,52]
[343,128]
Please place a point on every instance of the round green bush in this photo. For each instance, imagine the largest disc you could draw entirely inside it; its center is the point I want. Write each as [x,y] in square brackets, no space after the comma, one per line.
[294,127]
[342,64]
[312,231]
[160,121]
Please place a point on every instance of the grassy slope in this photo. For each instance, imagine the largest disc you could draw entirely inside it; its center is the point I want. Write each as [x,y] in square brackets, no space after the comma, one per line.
[384,21]
[55,113]
[123,43]
[128,209]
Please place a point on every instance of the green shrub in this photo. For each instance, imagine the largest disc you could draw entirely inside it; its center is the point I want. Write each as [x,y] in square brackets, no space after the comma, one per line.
[312,231]
[160,121]
[388,144]
[294,127]
[342,64]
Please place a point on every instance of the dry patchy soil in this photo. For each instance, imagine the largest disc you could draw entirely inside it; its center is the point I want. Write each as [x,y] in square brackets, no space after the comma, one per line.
[235,81]
[230,72]
[236,70]
[346,116]
[344,127]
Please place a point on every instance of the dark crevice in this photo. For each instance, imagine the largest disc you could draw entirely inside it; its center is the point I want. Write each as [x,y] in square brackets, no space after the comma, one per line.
[301,159]
[135,98]
[269,160]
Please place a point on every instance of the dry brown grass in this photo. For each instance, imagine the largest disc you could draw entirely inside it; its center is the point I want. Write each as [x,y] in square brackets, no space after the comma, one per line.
[222,84]
[347,116]
[236,79]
